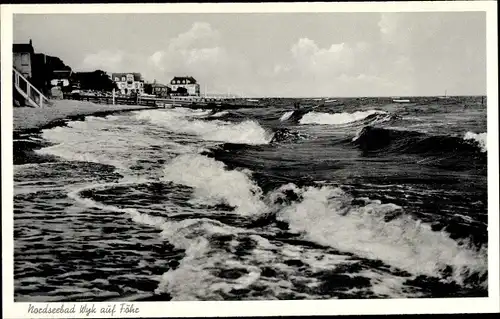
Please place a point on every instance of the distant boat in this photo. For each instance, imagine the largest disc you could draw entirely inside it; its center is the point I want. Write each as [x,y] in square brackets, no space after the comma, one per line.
[401,101]
[443,97]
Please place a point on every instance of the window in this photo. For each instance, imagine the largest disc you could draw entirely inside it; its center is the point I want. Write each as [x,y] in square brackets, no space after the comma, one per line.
[25,58]
[117,79]
[123,79]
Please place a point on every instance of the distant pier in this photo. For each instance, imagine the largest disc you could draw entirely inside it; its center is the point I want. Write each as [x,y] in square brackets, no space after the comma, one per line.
[158,102]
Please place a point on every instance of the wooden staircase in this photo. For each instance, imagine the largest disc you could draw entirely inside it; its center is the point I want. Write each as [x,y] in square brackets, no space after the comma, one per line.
[31,94]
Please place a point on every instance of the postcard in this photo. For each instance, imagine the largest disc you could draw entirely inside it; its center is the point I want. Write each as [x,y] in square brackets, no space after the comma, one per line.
[249,159]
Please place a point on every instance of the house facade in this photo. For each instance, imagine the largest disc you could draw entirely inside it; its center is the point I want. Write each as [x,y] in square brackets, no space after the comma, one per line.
[160,90]
[22,55]
[185,85]
[128,83]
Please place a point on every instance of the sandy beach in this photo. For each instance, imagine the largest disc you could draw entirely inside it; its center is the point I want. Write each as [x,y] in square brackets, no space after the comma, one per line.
[27,118]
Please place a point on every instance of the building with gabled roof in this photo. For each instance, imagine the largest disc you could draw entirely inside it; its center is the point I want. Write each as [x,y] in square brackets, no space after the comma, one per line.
[128,83]
[22,56]
[184,85]
[160,90]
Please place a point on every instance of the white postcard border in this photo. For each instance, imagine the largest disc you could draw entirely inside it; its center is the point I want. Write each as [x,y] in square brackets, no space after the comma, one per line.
[258,308]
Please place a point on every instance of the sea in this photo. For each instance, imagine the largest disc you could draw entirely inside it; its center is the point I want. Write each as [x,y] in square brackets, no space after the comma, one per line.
[362,198]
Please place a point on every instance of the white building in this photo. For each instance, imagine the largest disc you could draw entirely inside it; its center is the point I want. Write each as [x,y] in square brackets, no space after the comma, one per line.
[184,85]
[128,82]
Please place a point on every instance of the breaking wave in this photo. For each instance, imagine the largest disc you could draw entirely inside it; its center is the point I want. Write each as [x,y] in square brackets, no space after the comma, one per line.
[246,132]
[286,116]
[481,139]
[403,141]
[331,217]
[219,114]
[214,184]
[97,140]
[342,118]
[379,231]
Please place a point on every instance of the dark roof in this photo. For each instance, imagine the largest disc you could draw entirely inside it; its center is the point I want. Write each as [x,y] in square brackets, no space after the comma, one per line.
[137,76]
[22,47]
[158,85]
[189,78]
[61,74]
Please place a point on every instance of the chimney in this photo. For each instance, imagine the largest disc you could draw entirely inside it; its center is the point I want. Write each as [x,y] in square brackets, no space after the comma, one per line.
[31,43]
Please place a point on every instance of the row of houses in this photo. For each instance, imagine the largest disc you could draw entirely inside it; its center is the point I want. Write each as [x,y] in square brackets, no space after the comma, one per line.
[129,83]
[46,73]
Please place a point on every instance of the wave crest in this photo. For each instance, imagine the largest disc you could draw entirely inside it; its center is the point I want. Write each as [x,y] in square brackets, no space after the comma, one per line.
[339,118]
[481,139]
[214,184]
[246,132]
[379,231]
[402,141]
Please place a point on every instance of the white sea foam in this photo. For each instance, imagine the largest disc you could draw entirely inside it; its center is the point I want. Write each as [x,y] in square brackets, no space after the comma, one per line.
[213,183]
[326,216]
[97,140]
[481,139]
[286,116]
[197,276]
[336,118]
[219,114]
[247,132]
[193,279]
[82,141]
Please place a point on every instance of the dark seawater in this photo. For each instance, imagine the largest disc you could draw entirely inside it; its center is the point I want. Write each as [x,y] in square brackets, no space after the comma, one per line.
[363,199]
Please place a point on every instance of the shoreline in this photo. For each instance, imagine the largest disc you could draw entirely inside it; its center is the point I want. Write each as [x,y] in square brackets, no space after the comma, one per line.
[33,120]
[30,122]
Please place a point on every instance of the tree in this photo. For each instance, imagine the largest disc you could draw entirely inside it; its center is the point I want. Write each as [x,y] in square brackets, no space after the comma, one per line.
[148,88]
[97,80]
[43,67]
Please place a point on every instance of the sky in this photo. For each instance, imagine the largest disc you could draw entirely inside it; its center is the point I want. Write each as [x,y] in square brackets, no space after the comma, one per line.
[276,54]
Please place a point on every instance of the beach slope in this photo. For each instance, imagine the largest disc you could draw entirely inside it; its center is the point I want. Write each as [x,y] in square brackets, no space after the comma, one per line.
[27,118]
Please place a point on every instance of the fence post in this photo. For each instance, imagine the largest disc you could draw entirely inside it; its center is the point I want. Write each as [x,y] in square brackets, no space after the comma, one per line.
[28,90]
[113,96]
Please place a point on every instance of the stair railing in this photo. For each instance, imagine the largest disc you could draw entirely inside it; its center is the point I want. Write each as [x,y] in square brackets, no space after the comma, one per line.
[28,91]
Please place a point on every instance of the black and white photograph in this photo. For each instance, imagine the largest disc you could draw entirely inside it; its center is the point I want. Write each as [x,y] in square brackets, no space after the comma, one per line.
[260,155]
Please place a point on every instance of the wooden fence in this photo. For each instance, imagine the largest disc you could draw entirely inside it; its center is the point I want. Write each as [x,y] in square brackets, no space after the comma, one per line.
[162,102]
